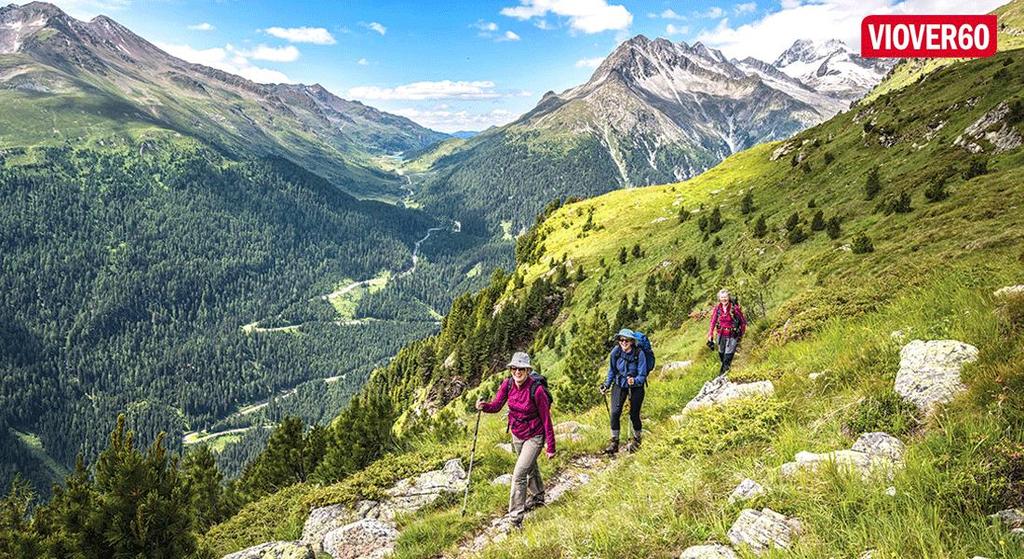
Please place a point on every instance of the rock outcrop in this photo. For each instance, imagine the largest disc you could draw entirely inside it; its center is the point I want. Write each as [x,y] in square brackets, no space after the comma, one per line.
[1009,291]
[929,373]
[1013,520]
[366,529]
[993,127]
[872,451]
[720,390]
[747,490]
[763,530]
[366,539]
[274,550]
[709,551]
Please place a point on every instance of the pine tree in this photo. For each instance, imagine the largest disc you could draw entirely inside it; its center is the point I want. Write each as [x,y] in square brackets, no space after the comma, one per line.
[581,366]
[139,501]
[203,483]
[581,275]
[715,222]
[712,262]
[936,191]
[818,222]
[796,235]
[684,214]
[747,202]
[18,537]
[622,255]
[862,244]
[793,221]
[872,184]
[282,462]
[637,251]
[760,228]
[833,228]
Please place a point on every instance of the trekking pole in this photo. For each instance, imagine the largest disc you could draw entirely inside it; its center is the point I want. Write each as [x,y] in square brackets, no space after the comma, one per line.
[472,454]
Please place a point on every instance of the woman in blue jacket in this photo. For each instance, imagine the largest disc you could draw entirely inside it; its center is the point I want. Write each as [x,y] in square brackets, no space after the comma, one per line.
[627,372]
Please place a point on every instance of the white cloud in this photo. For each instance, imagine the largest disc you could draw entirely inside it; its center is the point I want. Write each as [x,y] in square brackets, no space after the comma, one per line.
[821,20]
[486,26]
[445,89]
[671,14]
[746,8]
[509,36]
[588,16]
[589,62]
[671,29]
[202,27]
[375,27]
[363,62]
[714,12]
[272,54]
[225,58]
[446,120]
[314,35]
[543,24]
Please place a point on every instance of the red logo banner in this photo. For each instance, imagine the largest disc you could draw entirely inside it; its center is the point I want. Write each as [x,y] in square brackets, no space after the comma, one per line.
[938,36]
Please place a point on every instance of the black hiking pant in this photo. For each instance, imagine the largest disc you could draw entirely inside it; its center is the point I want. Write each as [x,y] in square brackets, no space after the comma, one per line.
[636,400]
[726,351]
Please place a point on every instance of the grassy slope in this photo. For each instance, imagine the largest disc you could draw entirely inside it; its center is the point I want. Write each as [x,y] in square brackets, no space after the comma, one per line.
[931,276]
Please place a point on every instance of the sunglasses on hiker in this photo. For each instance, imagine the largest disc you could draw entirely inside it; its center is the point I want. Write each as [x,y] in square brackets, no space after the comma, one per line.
[624,340]
[518,369]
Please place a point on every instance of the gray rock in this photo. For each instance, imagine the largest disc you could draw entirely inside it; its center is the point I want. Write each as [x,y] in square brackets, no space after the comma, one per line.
[929,372]
[720,390]
[710,551]
[365,539]
[324,519]
[503,479]
[507,447]
[872,451]
[880,445]
[764,530]
[1012,519]
[675,365]
[994,128]
[1009,291]
[747,489]
[412,494]
[275,550]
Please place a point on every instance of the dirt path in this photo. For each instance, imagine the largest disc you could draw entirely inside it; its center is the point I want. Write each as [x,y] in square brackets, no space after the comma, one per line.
[578,473]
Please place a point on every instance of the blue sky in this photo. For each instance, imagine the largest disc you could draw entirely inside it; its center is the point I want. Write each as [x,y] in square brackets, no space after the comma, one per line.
[466,65]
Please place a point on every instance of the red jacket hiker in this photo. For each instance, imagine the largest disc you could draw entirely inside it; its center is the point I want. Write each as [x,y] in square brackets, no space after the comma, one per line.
[525,419]
[722,321]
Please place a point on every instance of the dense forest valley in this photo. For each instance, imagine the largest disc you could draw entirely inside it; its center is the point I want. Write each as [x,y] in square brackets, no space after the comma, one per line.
[162,281]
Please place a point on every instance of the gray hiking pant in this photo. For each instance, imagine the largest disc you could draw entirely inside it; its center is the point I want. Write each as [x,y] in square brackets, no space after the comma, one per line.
[527,487]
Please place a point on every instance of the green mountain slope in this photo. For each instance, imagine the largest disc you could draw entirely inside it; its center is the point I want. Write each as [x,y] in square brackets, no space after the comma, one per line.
[68,81]
[946,229]
[127,280]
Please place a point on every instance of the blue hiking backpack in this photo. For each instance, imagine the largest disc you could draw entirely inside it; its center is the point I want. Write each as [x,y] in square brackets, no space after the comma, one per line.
[644,344]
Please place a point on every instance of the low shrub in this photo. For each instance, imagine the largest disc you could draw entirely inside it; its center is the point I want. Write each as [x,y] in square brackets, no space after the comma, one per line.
[720,427]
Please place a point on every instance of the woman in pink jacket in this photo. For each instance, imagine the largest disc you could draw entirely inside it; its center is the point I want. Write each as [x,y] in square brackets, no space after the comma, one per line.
[529,420]
[727,324]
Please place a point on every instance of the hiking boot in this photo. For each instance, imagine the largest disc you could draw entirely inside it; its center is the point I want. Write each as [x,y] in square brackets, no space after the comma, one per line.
[533,505]
[612,448]
[633,445]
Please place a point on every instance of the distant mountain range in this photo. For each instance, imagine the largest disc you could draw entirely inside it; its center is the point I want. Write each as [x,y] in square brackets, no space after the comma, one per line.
[654,111]
[64,79]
